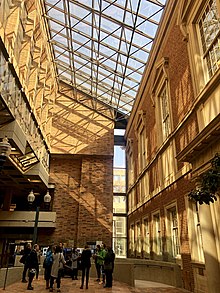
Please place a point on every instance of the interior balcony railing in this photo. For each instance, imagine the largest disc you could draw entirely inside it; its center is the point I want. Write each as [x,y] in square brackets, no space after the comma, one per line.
[47,219]
[18,106]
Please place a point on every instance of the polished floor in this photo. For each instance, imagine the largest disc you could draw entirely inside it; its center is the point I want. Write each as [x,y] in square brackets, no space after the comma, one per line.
[69,286]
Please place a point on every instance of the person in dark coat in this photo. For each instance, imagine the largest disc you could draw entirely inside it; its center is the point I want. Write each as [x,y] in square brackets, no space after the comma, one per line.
[32,264]
[27,251]
[86,265]
[109,267]
[48,265]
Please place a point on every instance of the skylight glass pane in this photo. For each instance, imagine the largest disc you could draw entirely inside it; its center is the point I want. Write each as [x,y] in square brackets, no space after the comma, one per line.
[148,27]
[79,37]
[56,26]
[115,12]
[103,46]
[84,51]
[78,11]
[148,8]
[54,13]
[60,39]
[109,25]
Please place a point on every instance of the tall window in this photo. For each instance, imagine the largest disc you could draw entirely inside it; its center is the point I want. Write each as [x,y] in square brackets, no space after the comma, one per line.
[131,243]
[209,27]
[131,200]
[146,238]
[138,239]
[161,99]
[198,233]
[130,170]
[168,163]
[142,145]
[157,237]
[195,232]
[119,198]
[142,149]
[173,243]
[164,112]
[119,236]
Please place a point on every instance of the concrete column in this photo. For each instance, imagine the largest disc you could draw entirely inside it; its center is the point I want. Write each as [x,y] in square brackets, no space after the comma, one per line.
[210,251]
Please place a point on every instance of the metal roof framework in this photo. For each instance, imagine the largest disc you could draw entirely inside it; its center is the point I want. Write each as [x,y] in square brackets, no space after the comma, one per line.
[101,47]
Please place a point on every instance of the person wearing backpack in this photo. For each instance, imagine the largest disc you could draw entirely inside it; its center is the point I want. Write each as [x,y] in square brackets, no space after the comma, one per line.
[48,261]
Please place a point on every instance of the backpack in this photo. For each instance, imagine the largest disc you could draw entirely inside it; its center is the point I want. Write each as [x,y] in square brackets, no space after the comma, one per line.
[22,259]
[48,260]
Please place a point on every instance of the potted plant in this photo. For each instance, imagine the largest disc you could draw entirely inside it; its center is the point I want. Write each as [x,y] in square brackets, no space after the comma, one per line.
[210,184]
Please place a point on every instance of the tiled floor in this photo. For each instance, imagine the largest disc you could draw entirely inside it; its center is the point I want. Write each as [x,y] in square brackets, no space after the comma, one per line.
[69,286]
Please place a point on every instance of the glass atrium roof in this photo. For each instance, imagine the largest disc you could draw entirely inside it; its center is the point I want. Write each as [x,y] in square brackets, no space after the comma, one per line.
[101,47]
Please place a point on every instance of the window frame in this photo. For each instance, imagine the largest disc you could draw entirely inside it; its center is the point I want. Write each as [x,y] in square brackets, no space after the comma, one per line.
[159,85]
[138,238]
[140,131]
[188,21]
[173,246]
[146,237]
[157,235]
[202,42]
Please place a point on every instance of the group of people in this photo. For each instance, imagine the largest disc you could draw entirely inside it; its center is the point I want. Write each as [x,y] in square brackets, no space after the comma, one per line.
[54,263]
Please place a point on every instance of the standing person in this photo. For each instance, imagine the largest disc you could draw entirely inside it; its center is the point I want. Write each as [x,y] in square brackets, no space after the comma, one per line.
[74,265]
[58,263]
[39,258]
[27,251]
[86,265]
[109,266]
[32,264]
[48,265]
[100,260]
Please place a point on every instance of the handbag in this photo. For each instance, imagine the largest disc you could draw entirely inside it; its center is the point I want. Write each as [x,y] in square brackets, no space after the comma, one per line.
[32,272]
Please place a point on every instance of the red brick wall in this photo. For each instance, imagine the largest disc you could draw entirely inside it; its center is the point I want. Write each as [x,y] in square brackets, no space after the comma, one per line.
[82,199]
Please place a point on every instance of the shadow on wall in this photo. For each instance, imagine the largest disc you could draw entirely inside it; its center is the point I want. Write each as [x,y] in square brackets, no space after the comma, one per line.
[78,130]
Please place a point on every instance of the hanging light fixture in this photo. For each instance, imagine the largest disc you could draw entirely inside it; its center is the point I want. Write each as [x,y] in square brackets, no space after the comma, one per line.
[47,198]
[31,197]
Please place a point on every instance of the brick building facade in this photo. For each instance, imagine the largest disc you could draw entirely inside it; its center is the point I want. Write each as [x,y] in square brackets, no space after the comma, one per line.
[167,151]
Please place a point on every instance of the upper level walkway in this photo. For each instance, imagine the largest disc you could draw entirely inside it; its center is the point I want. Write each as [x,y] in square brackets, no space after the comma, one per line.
[73,286]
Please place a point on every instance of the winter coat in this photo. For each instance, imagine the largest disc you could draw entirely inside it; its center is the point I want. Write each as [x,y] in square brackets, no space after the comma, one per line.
[100,256]
[58,262]
[32,260]
[86,258]
[74,258]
